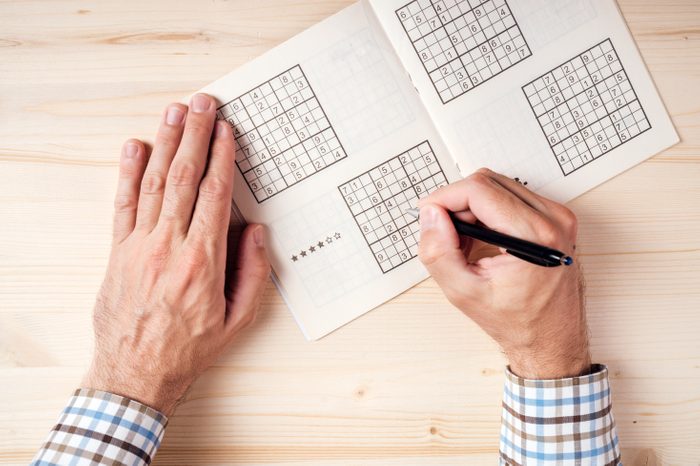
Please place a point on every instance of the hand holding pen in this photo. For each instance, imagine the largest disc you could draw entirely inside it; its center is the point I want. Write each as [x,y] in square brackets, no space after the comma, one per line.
[535,313]
[520,248]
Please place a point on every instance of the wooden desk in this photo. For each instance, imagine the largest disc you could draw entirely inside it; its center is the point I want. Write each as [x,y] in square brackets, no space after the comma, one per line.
[411,383]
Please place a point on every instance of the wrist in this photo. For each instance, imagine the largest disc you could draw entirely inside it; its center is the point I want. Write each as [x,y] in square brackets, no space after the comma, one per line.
[550,365]
[160,397]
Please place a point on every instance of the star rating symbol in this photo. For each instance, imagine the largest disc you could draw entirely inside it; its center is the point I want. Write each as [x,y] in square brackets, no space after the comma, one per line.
[315,247]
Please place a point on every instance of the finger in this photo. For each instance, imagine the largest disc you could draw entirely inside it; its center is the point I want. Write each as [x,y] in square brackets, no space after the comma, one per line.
[212,211]
[556,212]
[153,184]
[132,164]
[441,251]
[248,280]
[524,194]
[493,205]
[188,165]
[466,216]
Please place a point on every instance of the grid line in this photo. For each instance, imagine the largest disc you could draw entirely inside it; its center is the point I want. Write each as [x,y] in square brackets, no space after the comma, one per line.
[378,200]
[283,135]
[586,107]
[482,36]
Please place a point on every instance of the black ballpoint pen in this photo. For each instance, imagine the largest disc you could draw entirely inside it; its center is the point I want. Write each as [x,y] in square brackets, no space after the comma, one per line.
[525,250]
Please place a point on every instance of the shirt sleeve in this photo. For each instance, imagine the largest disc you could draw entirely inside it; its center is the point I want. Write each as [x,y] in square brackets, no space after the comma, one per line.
[563,422]
[102,428]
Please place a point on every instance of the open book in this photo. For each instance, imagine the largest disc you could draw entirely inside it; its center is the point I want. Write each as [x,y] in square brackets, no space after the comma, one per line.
[345,126]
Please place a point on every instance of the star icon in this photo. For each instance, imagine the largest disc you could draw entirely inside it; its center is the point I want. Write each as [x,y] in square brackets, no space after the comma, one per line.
[302,253]
[312,249]
[320,244]
[295,258]
[337,236]
[329,240]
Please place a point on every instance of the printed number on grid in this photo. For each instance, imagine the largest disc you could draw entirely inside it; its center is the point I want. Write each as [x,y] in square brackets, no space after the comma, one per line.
[586,107]
[463,43]
[283,136]
[379,198]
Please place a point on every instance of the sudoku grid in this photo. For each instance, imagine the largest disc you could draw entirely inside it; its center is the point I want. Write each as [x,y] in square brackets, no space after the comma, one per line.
[463,43]
[283,136]
[586,107]
[379,198]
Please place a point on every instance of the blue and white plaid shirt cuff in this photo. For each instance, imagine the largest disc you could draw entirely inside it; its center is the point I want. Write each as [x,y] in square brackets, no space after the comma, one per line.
[563,422]
[101,428]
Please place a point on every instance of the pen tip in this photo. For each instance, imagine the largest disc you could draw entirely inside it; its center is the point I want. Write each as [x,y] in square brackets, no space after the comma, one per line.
[415,213]
[567,260]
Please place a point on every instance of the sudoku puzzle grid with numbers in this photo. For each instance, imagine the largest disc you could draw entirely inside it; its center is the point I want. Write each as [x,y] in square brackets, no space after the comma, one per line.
[586,107]
[379,198]
[463,43]
[283,136]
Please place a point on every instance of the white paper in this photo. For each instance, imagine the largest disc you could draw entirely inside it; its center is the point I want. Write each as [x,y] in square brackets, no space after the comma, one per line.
[343,127]
[322,261]
[493,124]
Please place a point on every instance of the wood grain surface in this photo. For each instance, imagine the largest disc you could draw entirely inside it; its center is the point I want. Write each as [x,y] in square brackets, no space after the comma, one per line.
[411,383]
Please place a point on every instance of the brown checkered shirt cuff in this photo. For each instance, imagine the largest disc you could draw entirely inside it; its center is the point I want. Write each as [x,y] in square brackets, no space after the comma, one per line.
[102,428]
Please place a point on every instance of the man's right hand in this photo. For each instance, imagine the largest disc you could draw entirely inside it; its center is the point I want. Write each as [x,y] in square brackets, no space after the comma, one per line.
[535,313]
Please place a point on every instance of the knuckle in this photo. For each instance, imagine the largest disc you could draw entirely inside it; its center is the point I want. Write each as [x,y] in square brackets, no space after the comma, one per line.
[198,127]
[478,180]
[483,171]
[158,255]
[168,139]
[127,170]
[568,219]
[261,272]
[125,203]
[214,188]
[183,174]
[153,183]
[548,233]
[428,254]
[196,258]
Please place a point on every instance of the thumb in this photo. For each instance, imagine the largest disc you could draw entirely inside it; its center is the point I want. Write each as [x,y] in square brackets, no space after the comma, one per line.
[249,278]
[440,251]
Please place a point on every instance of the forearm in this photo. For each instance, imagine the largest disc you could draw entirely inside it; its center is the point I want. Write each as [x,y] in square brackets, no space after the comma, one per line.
[563,421]
[99,427]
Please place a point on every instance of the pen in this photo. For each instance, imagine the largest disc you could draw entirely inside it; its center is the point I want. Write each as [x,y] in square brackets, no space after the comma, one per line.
[525,250]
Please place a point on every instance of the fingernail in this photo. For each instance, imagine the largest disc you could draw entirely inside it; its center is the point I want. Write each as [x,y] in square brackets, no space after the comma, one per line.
[175,116]
[259,237]
[222,127]
[200,103]
[131,150]
[428,217]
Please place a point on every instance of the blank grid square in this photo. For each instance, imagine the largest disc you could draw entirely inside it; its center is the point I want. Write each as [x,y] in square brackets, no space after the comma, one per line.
[283,136]
[463,43]
[379,198]
[586,107]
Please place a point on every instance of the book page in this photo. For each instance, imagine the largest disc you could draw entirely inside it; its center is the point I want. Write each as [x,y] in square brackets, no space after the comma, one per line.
[333,145]
[553,94]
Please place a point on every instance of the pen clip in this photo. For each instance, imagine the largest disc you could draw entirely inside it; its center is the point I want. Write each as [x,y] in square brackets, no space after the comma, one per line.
[533,260]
